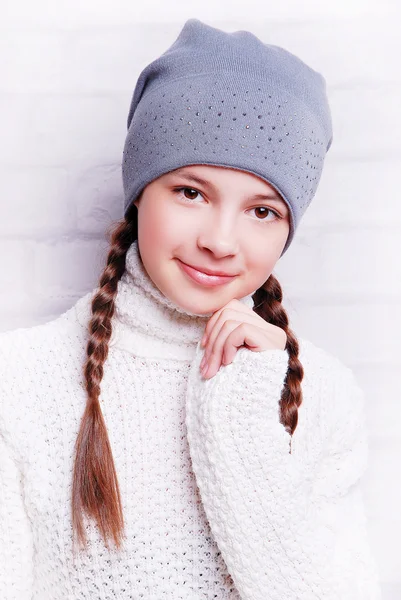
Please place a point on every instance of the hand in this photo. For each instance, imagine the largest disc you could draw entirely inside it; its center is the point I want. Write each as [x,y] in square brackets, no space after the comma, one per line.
[231,327]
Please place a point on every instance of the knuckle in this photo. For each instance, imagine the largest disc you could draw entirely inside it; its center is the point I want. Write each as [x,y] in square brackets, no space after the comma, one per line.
[213,356]
[227,324]
[224,313]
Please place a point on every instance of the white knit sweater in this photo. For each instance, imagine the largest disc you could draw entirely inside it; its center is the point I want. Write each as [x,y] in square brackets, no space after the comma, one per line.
[215,507]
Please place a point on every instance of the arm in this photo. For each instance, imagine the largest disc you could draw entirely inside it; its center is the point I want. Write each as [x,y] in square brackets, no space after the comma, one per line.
[286,527]
[15,532]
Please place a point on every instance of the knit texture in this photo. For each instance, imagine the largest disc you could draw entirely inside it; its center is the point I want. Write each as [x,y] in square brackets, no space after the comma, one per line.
[214,504]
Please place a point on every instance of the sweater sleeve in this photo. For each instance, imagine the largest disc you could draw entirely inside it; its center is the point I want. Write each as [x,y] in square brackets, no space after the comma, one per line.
[15,532]
[287,528]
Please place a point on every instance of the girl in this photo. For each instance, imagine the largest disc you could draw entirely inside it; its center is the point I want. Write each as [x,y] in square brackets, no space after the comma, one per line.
[169,436]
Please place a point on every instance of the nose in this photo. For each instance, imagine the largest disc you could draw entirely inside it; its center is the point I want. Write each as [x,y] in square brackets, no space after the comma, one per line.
[219,235]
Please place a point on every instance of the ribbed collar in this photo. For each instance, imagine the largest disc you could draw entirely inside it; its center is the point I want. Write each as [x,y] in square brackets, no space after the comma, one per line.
[147,323]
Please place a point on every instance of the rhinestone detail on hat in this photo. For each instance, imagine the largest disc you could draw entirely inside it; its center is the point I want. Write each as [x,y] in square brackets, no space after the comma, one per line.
[206,118]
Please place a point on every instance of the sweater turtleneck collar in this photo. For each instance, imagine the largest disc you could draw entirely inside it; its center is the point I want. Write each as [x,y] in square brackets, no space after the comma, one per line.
[147,323]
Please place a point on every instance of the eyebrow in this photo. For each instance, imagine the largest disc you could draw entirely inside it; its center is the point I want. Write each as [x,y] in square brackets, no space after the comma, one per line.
[196,179]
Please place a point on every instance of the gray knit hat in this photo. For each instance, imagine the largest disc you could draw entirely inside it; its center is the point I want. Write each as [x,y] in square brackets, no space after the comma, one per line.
[228,99]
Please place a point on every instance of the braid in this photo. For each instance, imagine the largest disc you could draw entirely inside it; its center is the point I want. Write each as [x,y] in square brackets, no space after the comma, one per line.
[95,489]
[268,305]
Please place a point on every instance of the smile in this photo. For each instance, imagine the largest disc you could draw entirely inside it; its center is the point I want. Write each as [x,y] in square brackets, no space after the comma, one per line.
[204,278]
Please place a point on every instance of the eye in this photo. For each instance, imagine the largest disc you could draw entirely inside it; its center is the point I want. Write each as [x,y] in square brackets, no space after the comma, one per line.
[265,211]
[184,197]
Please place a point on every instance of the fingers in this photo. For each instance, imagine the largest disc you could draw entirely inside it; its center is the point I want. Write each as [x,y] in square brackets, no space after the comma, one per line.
[213,356]
[230,310]
[217,320]
[229,329]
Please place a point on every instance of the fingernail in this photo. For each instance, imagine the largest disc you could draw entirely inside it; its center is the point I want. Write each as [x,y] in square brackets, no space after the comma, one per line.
[202,362]
[205,370]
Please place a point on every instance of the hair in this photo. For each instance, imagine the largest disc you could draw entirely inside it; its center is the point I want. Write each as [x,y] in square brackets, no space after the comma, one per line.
[95,488]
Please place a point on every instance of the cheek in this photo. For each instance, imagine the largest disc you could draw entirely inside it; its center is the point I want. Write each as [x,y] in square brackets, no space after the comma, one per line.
[260,268]
[166,222]
[154,223]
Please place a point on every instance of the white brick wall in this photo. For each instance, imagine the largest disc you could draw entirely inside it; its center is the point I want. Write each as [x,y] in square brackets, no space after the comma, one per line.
[68,72]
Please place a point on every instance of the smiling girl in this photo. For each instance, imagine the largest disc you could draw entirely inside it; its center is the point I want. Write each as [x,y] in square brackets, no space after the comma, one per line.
[169,436]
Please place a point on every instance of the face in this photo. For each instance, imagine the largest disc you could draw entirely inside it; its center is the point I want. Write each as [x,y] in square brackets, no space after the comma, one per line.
[216,219]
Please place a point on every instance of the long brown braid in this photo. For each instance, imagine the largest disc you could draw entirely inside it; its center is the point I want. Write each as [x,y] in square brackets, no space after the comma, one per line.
[268,305]
[95,489]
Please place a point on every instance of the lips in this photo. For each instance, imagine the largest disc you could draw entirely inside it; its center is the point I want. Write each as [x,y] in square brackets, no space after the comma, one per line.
[204,278]
[210,271]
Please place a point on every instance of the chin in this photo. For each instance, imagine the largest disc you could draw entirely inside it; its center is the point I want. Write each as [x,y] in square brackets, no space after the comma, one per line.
[200,307]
